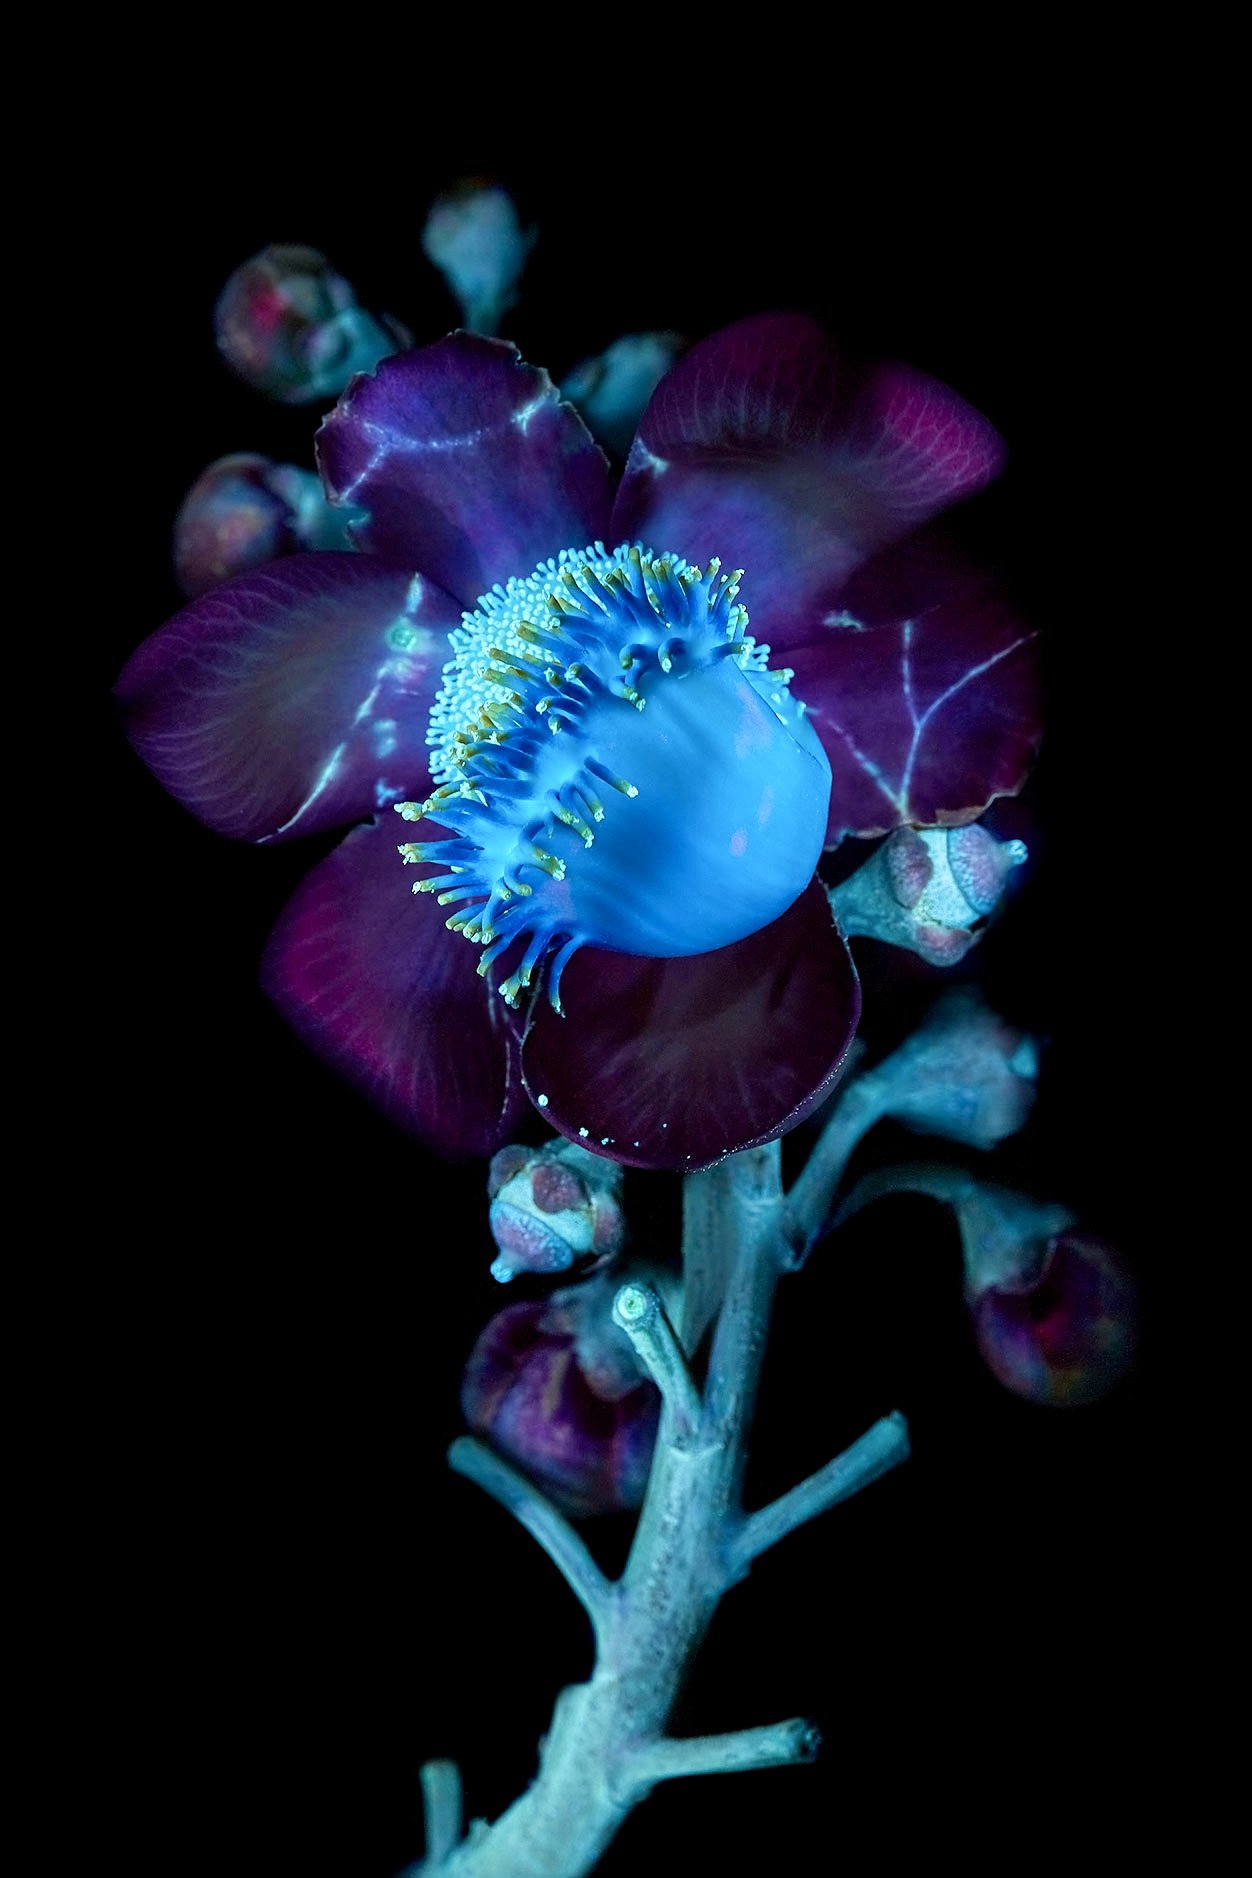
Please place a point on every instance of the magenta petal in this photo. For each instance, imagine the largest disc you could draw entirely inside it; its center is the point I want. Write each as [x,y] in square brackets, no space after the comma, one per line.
[366,973]
[932,705]
[292,699]
[760,447]
[525,1389]
[674,1063]
[471,466]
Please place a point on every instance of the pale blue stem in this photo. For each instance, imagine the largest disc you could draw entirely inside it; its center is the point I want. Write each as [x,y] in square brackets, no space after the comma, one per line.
[441,1808]
[638,1310]
[878,1450]
[607,1744]
[809,1203]
[753,1215]
[938,1180]
[780,1744]
[541,1520]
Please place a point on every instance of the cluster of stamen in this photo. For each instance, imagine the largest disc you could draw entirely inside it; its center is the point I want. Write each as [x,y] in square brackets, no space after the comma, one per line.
[523,722]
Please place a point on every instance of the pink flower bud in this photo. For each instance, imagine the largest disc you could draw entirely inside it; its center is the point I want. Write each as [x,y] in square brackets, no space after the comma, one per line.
[289,325]
[552,1205]
[1063,1329]
[929,890]
[245,510]
[527,1392]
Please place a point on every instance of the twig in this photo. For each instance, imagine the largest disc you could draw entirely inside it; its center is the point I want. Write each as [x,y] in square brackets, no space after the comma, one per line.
[780,1744]
[638,1310]
[874,1454]
[542,1520]
[442,1809]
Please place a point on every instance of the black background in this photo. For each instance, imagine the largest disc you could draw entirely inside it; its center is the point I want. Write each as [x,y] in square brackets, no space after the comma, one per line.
[298,1601]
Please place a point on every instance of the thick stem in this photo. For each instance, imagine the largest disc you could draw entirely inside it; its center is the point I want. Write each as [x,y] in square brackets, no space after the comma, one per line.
[672,1584]
[753,1200]
[674,1578]
[606,1745]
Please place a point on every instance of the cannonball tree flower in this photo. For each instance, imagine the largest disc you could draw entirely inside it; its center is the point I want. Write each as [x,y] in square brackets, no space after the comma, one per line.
[629,717]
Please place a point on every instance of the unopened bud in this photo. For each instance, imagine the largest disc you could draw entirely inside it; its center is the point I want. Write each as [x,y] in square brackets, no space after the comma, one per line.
[551,1206]
[929,890]
[245,510]
[965,1074]
[290,326]
[528,1393]
[612,389]
[475,239]
[1055,1308]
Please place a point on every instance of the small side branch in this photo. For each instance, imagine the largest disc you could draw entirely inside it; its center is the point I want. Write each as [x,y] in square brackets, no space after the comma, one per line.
[541,1520]
[781,1744]
[638,1310]
[811,1198]
[879,1449]
[442,1810]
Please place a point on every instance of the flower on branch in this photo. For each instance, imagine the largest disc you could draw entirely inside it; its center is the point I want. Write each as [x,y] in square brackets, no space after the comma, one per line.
[554,1386]
[630,715]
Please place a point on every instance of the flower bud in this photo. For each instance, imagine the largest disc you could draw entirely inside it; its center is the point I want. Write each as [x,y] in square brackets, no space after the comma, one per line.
[289,325]
[552,1205]
[475,239]
[929,890]
[527,1391]
[965,1074]
[244,511]
[1055,1308]
[612,389]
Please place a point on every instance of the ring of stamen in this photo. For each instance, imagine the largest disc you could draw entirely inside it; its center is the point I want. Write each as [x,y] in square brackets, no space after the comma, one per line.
[536,737]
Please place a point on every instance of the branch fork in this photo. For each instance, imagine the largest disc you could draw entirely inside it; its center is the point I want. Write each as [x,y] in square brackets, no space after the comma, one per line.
[608,1744]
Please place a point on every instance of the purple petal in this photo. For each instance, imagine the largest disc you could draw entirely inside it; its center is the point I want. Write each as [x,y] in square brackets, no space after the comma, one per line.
[366,973]
[469,463]
[674,1063]
[526,1390]
[292,699]
[761,448]
[930,705]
